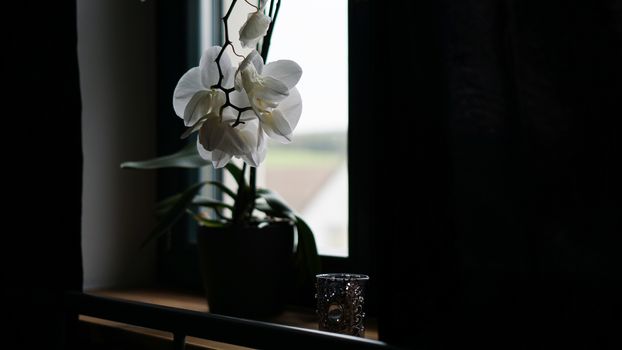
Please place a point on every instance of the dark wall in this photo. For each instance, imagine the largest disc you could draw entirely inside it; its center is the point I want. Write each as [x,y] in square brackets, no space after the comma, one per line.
[42,171]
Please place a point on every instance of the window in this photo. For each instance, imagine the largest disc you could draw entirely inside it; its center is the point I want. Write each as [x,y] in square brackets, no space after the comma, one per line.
[311,172]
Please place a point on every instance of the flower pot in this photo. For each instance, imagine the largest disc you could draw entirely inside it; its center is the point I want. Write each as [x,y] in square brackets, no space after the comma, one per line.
[246,270]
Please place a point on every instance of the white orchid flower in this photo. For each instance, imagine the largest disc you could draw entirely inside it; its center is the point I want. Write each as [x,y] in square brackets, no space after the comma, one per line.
[193,96]
[279,124]
[199,105]
[272,94]
[219,142]
[255,27]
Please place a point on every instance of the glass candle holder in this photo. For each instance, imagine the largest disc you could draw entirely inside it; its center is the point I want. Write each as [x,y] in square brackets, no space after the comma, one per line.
[340,298]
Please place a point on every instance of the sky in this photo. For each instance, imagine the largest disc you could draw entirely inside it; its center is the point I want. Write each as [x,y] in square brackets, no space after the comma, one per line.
[315,35]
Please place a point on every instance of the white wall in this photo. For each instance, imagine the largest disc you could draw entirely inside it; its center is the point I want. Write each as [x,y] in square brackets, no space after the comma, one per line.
[116,47]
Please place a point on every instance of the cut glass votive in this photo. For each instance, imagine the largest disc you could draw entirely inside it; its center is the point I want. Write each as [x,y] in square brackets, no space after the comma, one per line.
[340,298]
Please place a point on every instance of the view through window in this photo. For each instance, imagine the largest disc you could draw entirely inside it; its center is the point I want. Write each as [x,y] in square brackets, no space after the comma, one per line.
[311,172]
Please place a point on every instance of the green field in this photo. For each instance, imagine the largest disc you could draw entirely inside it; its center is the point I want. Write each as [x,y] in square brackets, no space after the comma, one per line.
[295,157]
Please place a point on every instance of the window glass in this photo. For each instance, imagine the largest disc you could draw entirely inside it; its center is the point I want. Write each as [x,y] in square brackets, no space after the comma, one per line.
[311,172]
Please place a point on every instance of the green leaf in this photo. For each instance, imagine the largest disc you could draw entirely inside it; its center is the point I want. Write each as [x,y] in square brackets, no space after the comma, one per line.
[221,215]
[171,216]
[163,205]
[223,188]
[237,173]
[276,203]
[207,202]
[211,223]
[267,209]
[205,221]
[187,157]
[306,257]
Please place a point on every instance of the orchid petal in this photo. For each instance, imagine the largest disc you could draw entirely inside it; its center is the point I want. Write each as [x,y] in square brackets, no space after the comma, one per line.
[286,71]
[209,69]
[201,104]
[218,158]
[271,91]
[257,155]
[189,84]
[256,60]
[255,27]
[252,135]
[255,158]
[281,122]
[193,128]
[291,107]
[243,139]
[212,134]
[227,81]
[196,107]
[240,100]
[251,66]
[275,125]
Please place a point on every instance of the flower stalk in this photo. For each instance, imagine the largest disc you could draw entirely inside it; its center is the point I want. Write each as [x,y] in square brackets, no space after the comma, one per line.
[221,74]
[265,47]
[264,54]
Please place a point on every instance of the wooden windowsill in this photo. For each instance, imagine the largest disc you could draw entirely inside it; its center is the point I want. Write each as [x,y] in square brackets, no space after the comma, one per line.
[296,317]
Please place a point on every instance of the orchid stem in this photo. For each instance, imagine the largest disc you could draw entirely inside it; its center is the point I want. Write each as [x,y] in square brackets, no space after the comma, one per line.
[254,6]
[221,74]
[253,194]
[271,11]
[265,46]
[228,42]
[264,54]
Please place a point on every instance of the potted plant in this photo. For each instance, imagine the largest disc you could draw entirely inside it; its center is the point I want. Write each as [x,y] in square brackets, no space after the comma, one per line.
[246,248]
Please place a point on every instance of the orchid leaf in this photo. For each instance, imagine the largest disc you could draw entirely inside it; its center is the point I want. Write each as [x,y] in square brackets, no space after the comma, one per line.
[211,223]
[237,173]
[216,206]
[223,188]
[276,203]
[164,205]
[187,157]
[207,202]
[203,221]
[175,212]
[307,259]
[221,215]
[267,209]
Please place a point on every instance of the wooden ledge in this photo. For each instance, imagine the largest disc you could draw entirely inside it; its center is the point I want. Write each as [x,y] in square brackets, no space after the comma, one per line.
[99,328]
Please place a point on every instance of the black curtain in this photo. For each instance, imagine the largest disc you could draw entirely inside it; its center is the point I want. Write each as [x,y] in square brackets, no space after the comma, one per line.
[506,231]
[42,173]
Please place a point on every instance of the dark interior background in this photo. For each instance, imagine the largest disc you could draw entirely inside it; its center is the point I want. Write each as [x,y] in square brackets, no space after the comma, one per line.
[42,173]
[507,230]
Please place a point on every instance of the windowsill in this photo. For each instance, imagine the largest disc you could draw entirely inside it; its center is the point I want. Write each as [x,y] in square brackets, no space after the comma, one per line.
[297,317]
